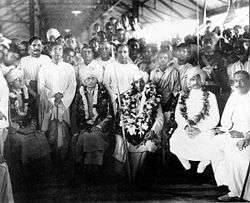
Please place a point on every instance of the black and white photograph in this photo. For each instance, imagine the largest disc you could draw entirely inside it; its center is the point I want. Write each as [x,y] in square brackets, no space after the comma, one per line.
[124,101]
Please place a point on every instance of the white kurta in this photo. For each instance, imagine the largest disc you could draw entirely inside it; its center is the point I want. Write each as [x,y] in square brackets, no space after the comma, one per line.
[4,99]
[229,163]
[119,78]
[200,147]
[54,78]
[31,65]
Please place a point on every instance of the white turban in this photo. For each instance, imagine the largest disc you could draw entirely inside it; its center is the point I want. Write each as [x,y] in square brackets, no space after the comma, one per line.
[196,71]
[85,74]
[13,74]
[52,32]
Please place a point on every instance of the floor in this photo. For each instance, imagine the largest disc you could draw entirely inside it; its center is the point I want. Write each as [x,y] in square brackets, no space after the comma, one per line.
[156,184]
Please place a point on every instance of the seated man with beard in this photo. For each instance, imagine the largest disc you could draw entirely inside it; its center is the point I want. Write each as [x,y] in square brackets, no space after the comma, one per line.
[92,122]
[232,151]
[142,121]
[196,115]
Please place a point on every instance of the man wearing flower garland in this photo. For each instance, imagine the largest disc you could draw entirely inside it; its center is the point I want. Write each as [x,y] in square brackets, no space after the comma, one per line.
[92,122]
[196,115]
[142,120]
[232,159]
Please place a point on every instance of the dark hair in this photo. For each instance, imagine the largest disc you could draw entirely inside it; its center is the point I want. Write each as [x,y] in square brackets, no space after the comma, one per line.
[67,50]
[122,45]
[244,73]
[32,39]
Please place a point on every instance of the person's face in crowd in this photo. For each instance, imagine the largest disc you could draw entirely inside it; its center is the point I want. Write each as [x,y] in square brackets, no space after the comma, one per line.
[11,58]
[52,38]
[105,51]
[36,48]
[134,50]
[71,43]
[90,82]
[97,28]
[113,21]
[17,83]
[241,83]
[70,58]
[139,85]
[61,41]
[87,55]
[57,53]
[195,82]
[121,35]
[246,45]
[182,55]
[123,55]
[22,49]
[246,28]
[163,59]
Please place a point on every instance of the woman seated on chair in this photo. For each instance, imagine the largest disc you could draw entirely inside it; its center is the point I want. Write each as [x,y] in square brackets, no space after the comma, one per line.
[24,144]
[142,121]
[91,122]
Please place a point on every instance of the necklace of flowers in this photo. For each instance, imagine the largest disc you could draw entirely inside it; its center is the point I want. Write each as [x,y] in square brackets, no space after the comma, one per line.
[204,111]
[138,124]
[17,106]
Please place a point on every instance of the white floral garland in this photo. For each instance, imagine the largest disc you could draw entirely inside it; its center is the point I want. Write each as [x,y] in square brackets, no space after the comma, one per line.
[139,124]
[85,103]
[17,104]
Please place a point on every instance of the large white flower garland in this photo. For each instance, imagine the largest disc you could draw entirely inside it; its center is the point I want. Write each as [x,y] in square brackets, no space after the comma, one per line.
[138,124]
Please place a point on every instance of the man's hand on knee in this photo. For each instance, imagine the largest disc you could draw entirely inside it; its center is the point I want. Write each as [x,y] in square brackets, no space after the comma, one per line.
[236,134]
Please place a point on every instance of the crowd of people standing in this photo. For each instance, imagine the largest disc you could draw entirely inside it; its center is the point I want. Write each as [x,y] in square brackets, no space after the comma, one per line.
[119,94]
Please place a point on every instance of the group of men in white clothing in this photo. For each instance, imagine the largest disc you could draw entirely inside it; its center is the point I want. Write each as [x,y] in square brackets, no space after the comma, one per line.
[54,83]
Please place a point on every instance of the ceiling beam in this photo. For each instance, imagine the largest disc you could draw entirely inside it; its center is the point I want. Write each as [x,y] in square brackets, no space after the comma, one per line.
[157,10]
[143,2]
[122,4]
[196,4]
[153,12]
[172,9]
[183,5]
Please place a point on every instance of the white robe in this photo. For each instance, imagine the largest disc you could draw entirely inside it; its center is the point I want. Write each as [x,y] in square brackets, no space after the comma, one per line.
[229,163]
[4,99]
[52,79]
[31,65]
[119,77]
[200,147]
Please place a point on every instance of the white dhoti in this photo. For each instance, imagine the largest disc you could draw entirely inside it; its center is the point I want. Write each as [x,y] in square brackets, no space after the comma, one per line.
[230,165]
[198,148]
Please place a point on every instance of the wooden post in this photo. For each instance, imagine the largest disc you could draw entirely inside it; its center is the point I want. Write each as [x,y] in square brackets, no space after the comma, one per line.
[32,17]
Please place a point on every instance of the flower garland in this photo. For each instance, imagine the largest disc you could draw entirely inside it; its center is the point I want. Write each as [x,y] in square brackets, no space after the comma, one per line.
[20,110]
[204,111]
[85,103]
[137,124]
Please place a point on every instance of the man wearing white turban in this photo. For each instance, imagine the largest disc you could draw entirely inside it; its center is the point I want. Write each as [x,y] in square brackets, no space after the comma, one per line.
[52,34]
[196,115]
[91,122]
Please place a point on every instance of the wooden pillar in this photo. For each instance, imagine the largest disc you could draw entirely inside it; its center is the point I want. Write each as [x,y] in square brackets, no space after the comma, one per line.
[32,17]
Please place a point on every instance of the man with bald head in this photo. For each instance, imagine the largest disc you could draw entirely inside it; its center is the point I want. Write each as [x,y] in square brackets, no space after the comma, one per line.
[232,154]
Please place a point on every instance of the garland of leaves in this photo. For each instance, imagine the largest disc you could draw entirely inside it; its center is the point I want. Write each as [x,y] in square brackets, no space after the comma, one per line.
[204,111]
[138,124]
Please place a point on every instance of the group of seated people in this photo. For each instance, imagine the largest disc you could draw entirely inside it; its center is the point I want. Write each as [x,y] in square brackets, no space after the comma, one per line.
[86,101]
